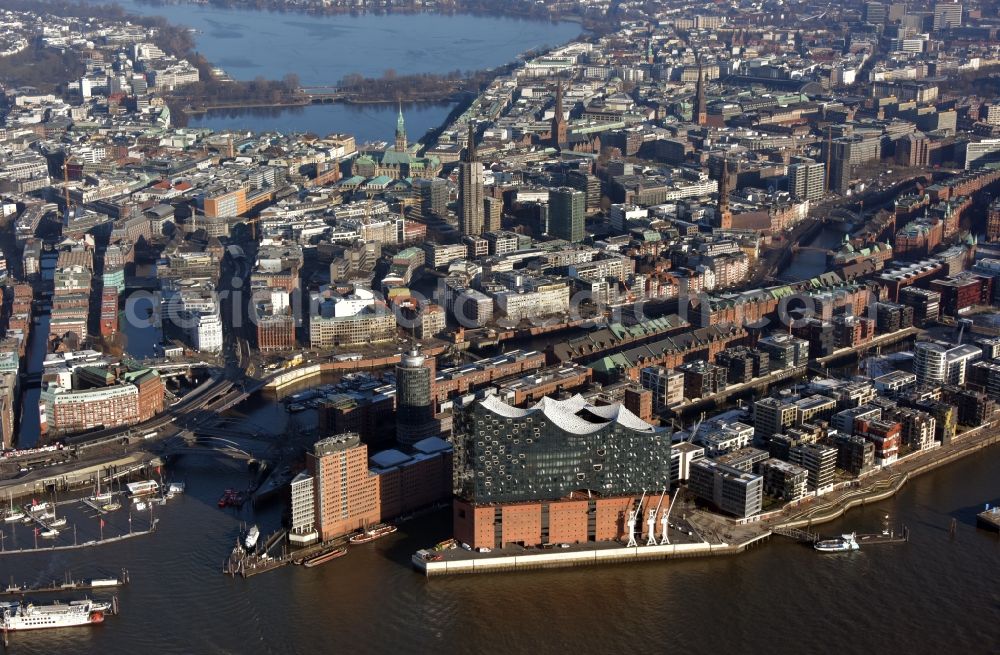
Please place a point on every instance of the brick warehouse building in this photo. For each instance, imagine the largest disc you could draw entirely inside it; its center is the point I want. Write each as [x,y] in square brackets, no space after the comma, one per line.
[351,491]
[558,472]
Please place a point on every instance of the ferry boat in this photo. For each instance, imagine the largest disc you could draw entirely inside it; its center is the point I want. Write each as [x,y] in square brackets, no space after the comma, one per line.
[842,544]
[325,557]
[143,488]
[376,532]
[253,534]
[28,616]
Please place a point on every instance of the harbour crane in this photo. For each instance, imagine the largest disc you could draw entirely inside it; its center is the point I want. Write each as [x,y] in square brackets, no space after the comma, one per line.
[651,521]
[633,519]
[665,520]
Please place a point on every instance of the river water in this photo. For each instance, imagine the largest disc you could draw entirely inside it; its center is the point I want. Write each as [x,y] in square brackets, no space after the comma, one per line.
[321,50]
[933,594]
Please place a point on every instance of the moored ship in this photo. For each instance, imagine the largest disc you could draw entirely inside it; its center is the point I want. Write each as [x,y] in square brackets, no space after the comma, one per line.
[143,488]
[250,541]
[842,544]
[372,534]
[28,616]
[325,557]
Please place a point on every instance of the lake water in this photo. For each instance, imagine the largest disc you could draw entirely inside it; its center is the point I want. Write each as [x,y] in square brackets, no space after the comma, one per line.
[321,50]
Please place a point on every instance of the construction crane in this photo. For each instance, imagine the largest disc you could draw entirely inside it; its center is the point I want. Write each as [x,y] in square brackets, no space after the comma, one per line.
[697,426]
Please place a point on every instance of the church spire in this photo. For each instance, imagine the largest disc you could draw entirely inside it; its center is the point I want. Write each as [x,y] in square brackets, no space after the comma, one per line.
[559,130]
[725,217]
[400,131]
[700,112]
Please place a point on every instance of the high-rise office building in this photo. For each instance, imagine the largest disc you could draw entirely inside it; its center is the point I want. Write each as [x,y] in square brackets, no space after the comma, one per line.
[414,403]
[875,12]
[806,180]
[346,496]
[433,193]
[492,213]
[947,15]
[470,189]
[566,214]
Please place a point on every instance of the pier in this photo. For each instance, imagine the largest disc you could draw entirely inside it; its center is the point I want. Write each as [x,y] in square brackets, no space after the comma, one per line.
[989,519]
[70,585]
[458,561]
[86,544]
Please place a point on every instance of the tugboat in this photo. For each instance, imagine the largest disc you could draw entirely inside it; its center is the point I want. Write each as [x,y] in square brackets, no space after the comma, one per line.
[842,544]
[368,535]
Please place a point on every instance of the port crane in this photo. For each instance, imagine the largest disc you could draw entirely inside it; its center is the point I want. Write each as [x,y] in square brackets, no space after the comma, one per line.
[651,521]
[633,519]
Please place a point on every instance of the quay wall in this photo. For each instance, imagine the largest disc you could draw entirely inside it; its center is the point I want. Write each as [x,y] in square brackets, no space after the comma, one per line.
[489,563]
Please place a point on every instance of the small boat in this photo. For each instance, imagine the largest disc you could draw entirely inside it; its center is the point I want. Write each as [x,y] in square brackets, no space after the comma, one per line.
[112,506]
[49,534]
[296,407]
[325,557]
[58,523]
[175,488]
[253,534]
[374,533]
[842,544]
[12,515]
[143,488]
[141,505]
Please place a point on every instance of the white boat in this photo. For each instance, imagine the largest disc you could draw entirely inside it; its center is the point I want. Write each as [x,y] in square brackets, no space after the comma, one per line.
[57,523]
[105,582]
[28,616]
[49,534]
[13,515]
[842,544]
[140,505]
[143,488]
[175,488]
[253,534]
